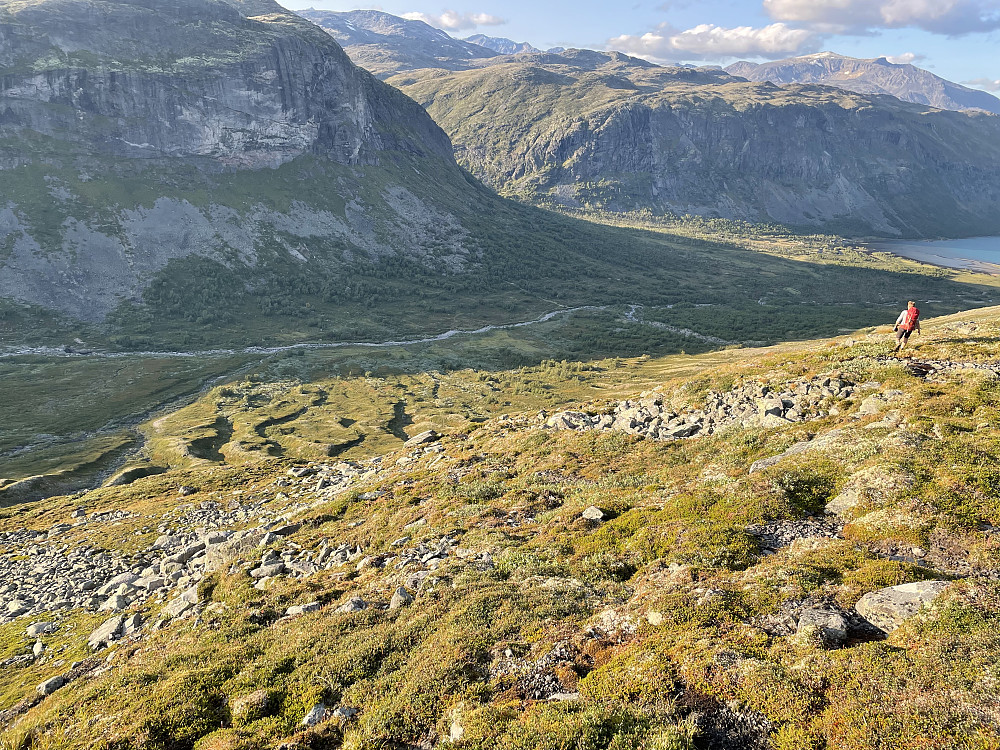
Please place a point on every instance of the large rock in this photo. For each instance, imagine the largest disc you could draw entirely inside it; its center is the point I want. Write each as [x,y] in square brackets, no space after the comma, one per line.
[872,485]
[51,685]
[890,607]
[40,628]
[301,609]
[827,623]
[427,436]
[106,633]
[400,599]
[354,604]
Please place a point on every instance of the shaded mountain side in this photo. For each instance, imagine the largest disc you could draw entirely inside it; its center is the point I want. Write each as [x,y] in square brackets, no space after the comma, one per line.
[587,129]
[879,76]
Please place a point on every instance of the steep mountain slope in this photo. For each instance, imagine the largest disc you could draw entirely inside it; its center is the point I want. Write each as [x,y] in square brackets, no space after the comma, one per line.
[501,45]
[385,44]
[879,76]
[207,173]
[139,140]
[795,549]
[606,131]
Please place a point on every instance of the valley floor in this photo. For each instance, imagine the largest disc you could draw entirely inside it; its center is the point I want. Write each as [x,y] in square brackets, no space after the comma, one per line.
[794,547]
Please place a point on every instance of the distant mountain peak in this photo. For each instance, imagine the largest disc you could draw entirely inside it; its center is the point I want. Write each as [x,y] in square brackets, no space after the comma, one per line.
[385,44]
[869,76]
[501,45]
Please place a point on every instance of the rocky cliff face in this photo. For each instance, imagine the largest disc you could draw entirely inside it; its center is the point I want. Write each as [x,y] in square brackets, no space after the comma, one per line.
[879,76]
[613,134]
[137,134]
[196,78]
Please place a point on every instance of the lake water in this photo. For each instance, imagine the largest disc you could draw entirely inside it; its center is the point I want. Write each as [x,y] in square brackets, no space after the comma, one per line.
[974,253]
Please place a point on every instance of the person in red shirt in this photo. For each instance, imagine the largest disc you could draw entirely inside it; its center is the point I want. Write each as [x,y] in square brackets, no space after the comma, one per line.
[907,322]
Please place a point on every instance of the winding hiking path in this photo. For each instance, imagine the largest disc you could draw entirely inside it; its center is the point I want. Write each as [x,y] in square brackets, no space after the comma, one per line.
[55,351]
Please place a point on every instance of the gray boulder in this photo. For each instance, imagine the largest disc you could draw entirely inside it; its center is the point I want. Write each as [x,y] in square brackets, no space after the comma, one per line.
[828,624]
[106,633]
[889,608]
[593,513]
[300,609]
[427,436]
[36,629]
[354,604]
[874,484]
[51,685]
[316,714]
[400,599]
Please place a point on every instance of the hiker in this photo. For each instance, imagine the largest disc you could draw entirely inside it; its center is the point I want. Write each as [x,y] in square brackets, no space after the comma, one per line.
[907,322]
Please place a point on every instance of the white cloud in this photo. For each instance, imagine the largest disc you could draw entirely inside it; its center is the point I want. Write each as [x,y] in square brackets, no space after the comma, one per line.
[455,21]
[907,58]
[710,42]
[952,17]
[984,83]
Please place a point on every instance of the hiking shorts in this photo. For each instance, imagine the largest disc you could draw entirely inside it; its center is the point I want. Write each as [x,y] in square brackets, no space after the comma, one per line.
[903,334]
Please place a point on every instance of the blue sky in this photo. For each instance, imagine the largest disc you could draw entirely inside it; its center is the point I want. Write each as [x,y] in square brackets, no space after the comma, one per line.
[956,39]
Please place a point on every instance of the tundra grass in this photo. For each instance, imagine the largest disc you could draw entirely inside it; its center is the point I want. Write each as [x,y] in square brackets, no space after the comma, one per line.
[662,602]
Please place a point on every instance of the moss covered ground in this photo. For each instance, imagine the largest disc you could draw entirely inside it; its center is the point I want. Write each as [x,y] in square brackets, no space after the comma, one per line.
[659,620]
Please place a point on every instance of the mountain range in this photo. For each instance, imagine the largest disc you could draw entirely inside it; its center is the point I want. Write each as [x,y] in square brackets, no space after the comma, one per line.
[501,45]
[606,131]
[879,76]
[591,130]
[385,44]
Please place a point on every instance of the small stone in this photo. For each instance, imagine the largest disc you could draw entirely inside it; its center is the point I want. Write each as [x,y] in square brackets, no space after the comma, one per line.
[316,714]
[40,628]
[401,598]
[593,513]
[51,685]
[37,649]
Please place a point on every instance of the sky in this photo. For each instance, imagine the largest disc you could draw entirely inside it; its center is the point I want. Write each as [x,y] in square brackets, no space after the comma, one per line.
[956,39]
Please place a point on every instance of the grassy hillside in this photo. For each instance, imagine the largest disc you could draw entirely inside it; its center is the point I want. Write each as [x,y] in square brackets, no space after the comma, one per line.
[675,618]
[687,286]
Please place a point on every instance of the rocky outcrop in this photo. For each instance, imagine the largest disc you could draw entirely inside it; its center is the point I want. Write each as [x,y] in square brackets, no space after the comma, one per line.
[749,405]
[197,78]
[889,608]
[234,135]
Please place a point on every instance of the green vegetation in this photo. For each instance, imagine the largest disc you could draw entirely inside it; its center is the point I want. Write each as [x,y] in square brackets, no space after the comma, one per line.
[663,617]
